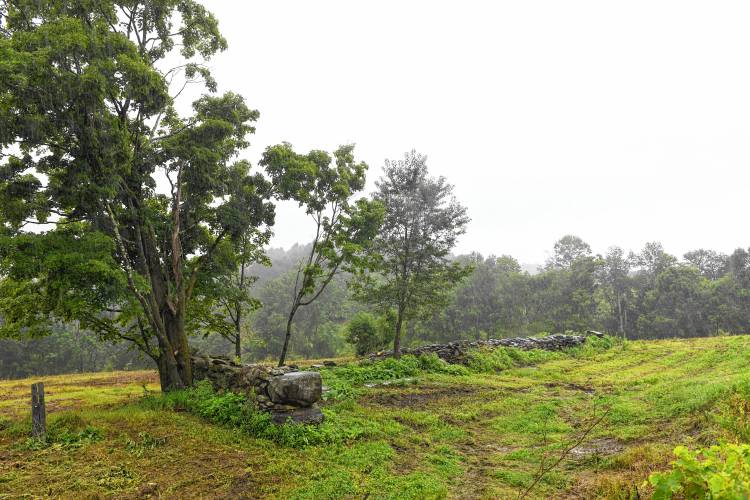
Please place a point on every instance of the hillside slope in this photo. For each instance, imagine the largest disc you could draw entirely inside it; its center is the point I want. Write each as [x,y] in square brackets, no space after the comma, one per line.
[609,414]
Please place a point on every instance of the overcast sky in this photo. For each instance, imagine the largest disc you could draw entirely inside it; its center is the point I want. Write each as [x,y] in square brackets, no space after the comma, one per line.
[620,122]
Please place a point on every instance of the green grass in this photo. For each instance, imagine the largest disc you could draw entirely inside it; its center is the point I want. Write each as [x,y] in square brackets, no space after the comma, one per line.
[424,429]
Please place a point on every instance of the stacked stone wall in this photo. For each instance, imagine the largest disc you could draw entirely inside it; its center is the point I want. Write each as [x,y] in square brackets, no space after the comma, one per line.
[456,352]
[285,392]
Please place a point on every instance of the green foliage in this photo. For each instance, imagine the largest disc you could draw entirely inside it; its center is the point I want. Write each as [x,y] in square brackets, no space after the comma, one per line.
[144,443]
[117,478]
[503,358]
[369,333]
[721,472]
[69,431]
[596,345]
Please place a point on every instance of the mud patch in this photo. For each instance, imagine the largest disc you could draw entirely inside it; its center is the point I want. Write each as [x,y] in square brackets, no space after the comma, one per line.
[245,486]
[399,399]
[602,447]
[571,386]
[64,404]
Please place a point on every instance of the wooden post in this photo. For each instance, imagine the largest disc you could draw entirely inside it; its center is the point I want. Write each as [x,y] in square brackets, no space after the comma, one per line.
[38,411]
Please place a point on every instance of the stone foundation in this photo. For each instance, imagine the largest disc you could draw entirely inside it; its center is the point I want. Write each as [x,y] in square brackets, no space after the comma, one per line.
[285,392]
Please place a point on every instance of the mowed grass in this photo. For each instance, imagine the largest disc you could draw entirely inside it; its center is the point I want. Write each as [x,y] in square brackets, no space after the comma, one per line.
[76,390]
[481,433]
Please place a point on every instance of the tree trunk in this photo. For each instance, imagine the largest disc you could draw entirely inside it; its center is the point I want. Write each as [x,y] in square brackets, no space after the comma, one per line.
[238,314]
[619,314]
[237,344]
[282,358]
[174,363]
[397,337]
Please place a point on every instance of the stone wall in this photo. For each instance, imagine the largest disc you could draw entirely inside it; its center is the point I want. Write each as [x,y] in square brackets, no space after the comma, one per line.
[285,392]
[288,393]
[455,352]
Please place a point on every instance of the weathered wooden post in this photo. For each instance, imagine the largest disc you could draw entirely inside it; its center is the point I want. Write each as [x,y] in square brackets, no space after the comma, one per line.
[38,411]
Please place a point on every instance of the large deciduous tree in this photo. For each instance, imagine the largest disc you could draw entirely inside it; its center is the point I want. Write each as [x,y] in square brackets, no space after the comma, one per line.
[344,227]
[88,127]
[423,221]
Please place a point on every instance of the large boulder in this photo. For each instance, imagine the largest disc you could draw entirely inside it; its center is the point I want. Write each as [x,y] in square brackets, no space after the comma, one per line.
[296,388]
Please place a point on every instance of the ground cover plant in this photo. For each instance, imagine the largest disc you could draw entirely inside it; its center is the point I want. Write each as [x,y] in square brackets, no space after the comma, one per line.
[409,428]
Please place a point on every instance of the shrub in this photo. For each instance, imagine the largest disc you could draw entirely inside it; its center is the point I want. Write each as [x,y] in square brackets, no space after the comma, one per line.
[368,333]
[719,472]
[595,345]
[503,358]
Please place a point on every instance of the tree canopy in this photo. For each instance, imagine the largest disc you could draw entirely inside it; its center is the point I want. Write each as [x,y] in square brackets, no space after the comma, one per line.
[132,199]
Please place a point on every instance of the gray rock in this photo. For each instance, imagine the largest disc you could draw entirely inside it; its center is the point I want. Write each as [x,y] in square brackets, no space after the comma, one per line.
[296,388]
[311,415]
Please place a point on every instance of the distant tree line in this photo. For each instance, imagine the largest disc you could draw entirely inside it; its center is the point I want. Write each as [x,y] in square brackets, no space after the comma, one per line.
[649,294]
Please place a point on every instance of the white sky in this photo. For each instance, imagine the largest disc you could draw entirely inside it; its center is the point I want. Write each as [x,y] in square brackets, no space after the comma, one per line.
[621,122]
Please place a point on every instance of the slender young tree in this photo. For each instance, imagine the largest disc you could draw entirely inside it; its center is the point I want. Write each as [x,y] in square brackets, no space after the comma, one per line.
[422,222]
[325,186]
[138,198]
[223,299]
[616,271]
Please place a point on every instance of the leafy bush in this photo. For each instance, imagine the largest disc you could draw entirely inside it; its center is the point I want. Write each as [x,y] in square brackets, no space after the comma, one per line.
[503,358]
[595,345]
[369,333]
[719,472]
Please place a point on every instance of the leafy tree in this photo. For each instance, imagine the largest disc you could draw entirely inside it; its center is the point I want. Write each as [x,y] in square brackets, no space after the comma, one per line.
[568,249]
[343,227]
[88,126]
[678,304]
[652,260]
[422,223]
[711,264]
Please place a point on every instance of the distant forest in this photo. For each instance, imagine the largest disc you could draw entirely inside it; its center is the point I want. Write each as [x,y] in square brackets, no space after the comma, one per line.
[644,294]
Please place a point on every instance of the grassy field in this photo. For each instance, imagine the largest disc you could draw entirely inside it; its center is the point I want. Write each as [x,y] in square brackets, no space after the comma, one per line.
[609,414]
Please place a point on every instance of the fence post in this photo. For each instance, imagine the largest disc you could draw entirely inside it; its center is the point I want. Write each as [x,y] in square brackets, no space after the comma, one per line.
[38,411]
